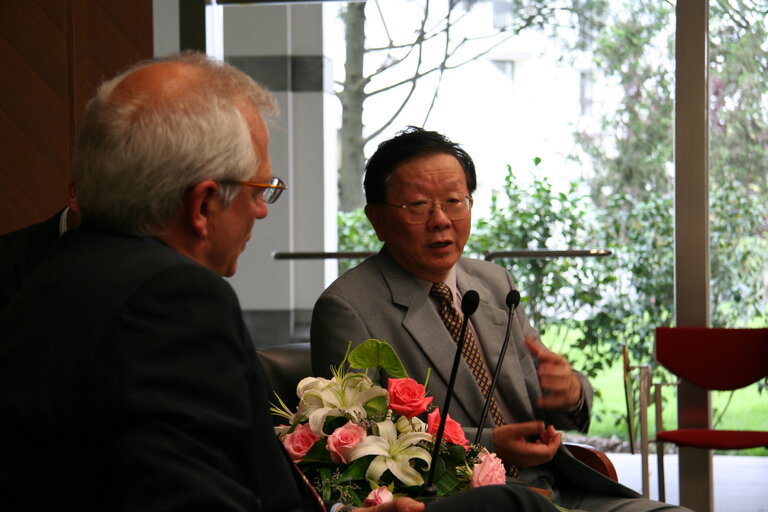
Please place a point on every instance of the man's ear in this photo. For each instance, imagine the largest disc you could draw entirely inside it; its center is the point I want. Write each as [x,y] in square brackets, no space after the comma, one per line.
[72,197]
[202,206]
[374,213]
[73,215]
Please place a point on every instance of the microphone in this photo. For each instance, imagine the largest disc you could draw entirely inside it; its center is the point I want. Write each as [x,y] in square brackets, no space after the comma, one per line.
[469,303]
[512,300]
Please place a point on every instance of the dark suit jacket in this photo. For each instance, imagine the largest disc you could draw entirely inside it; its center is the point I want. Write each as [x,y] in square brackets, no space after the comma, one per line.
[22,251]
[379,299]
[128,382]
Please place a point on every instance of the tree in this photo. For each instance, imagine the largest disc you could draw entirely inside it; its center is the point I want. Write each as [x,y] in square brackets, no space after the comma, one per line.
[633,153]
[436,43]
[739,93]
[544,218]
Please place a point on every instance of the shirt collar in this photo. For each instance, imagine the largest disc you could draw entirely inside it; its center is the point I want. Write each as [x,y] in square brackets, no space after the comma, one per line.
[63,221]
[449,280]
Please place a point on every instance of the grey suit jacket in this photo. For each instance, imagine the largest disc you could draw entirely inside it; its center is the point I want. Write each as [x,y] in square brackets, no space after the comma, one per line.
[378,299]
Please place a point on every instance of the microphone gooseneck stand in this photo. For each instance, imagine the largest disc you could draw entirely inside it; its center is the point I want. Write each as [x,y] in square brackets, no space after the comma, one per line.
[513,299]
[469,303]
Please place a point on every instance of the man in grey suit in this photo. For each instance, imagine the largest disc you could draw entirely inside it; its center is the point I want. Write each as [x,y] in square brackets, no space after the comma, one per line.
[418,189]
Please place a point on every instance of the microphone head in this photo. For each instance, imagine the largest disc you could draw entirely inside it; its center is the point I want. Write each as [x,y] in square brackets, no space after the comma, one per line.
[469,302]
[513,298]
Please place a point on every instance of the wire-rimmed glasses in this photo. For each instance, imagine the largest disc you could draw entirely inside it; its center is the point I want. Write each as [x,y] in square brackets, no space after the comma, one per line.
[420,210]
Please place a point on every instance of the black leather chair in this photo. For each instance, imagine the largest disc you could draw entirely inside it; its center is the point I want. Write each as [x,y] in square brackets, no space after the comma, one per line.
[284,366]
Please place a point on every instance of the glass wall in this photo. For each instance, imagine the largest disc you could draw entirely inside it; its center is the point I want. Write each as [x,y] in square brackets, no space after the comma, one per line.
[738,162]
[568,113]
[738,166]
[569,117]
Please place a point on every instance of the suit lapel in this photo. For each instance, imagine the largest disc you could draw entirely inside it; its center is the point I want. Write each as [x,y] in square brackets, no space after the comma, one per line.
[490,323]
[424,325]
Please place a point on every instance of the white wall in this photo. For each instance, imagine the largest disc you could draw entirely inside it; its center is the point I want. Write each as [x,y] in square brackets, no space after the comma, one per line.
[297,151]
[165,14]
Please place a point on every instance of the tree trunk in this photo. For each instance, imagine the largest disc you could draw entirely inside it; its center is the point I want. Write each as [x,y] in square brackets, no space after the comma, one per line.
[352,97]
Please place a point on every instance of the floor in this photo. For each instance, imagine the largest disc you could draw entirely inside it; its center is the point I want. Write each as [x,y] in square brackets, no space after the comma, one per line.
[741,483]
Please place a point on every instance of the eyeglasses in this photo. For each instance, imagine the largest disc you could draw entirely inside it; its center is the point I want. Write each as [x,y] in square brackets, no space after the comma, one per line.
[420,210]
[269,191]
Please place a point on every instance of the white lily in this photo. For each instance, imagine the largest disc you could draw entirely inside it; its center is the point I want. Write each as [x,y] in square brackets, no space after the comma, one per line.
[393,453]
[309,384]
[311,399]
[405,425]
[308,392]
[344,395]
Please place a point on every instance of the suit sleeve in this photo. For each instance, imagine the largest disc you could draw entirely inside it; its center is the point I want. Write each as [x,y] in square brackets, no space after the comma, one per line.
[180,415]
[578,419]
[334,324]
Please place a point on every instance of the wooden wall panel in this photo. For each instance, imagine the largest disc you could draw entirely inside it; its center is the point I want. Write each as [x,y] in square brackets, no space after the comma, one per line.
[53,54]
[119,34]
[34,111]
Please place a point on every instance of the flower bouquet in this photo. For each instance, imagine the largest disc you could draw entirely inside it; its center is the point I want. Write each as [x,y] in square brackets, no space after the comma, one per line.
[361,444]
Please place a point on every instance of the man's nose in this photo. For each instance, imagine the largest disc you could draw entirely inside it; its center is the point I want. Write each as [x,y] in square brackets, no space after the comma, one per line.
[437,216]
[261,210]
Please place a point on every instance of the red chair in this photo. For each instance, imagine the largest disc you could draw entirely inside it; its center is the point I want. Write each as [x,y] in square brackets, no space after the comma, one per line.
[716,359]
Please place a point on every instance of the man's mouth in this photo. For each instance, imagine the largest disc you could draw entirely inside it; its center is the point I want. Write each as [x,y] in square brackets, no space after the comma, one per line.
[439,245]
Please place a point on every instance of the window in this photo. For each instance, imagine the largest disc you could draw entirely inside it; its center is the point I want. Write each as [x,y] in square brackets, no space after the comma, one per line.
[507,67]
[502,13]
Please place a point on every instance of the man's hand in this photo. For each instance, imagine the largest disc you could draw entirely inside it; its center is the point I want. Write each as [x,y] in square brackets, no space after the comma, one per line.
[526,444]
[399,505]
[560,385]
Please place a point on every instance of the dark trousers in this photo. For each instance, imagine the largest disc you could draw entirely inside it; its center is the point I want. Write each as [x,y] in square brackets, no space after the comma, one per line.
[494,498]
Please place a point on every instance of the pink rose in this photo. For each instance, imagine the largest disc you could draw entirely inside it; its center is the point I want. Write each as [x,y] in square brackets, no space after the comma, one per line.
[490,471]
[298,442]
[378,496]
[343,440]
[407,397]
[453,432]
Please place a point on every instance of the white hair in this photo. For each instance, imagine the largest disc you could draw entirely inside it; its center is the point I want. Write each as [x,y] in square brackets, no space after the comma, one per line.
[136,158]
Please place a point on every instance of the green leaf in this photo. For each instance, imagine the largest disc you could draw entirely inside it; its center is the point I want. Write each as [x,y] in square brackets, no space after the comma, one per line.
[373,353]
[376,407]
[325,474]
[447,482]
[365,355]
[317,454]
[456,454]
[390,362]
[356,470]
[334,422]
[358,501]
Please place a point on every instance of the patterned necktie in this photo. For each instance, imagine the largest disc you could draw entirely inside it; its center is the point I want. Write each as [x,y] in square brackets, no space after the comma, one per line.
[453,320]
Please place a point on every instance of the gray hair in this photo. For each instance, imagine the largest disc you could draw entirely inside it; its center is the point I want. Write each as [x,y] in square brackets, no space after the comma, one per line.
[135,159]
